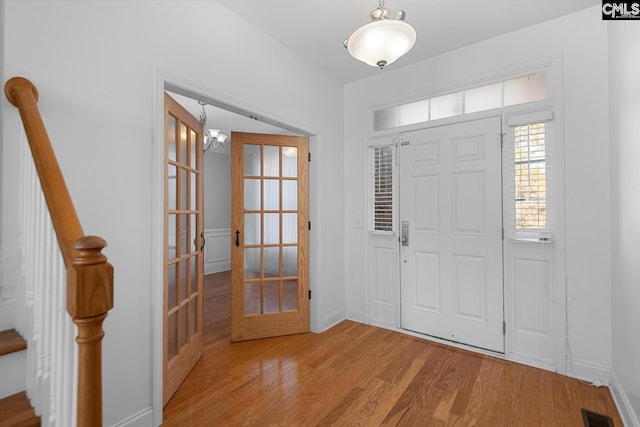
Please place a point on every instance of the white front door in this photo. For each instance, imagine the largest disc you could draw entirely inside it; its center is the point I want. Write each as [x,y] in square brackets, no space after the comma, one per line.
[451,231]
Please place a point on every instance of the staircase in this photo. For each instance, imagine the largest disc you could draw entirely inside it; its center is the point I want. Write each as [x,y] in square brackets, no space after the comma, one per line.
[15,409]
[63,291]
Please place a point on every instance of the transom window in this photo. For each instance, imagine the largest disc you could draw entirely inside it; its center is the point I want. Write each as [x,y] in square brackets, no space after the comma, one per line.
[506,93]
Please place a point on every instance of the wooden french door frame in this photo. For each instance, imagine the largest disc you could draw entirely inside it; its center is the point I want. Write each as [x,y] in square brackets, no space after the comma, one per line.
[250,316]
[183,245]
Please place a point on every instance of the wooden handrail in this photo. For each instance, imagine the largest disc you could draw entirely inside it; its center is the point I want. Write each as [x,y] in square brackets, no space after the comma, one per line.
[89,275]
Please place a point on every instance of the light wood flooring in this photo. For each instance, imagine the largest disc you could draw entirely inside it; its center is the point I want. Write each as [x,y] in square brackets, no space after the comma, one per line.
[359,375]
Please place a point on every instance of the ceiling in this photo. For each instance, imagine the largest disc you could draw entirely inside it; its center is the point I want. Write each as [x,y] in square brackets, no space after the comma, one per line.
[317,29]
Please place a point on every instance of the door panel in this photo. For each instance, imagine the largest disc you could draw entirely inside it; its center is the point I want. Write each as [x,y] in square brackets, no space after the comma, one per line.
[184,264]
[269,273]
[451,268]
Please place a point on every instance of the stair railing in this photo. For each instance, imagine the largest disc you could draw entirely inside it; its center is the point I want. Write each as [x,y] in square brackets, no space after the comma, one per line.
[89,275]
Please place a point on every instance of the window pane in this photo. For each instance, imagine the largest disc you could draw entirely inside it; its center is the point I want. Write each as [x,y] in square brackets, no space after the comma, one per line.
[192,150]
[290,162]
[252,194]
[271,228]
[525,89]
[252,263]
[530,196]
[193,315]
[272,262]
[290,261]
[171,236]
[171,138]
[183,326]
[414,112]
[271,162]
[183,284]
[183,144]
[446,106]
[194,275]
[251,229]
[184,245]
[271,194]
[289,228]
[289,295]
[386,118]
[290,195]
[172,336]
[183,189]
[172,188]
[483,98]
[272,297]
[173,300]
[251,160]
[193,182]
[252,298]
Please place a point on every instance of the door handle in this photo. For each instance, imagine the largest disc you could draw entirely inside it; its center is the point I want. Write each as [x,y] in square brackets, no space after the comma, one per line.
[405,233]
[195,241]
[237,238]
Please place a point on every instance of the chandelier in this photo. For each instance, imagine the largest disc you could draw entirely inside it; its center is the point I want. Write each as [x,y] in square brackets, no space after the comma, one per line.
[212,137]
[383,40]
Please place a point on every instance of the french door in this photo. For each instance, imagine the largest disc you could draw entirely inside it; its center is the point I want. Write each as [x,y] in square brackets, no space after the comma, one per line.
[451,232]
[183,246]
[269,242]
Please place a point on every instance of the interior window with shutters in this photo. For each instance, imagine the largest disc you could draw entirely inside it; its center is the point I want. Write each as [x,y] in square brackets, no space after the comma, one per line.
[530,163]
[381,190]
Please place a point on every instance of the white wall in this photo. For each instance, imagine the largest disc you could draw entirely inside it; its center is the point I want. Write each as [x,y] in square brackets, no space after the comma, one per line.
[217,191]
[624,86]
[93,63]
[580,40]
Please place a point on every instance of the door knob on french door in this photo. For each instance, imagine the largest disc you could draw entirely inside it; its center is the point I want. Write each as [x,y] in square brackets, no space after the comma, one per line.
[237,238]
[195,241]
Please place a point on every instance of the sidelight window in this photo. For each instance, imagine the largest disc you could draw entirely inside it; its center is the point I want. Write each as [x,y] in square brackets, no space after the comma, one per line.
[381,188]
[530,176]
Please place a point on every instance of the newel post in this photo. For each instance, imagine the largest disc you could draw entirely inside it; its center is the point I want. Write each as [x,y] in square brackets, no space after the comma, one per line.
[89,298]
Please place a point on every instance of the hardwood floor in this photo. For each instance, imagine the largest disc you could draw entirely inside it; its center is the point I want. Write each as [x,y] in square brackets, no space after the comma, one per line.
[359,375]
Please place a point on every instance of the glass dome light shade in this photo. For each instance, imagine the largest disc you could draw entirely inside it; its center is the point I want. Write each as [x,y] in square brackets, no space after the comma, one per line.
[382,42]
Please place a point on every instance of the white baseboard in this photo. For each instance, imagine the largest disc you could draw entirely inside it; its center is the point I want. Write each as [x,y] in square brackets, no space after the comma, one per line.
[356,316]
[331,320]
[7,314]
[143,418]
[588,372]
[217,266]
[629,417]
[13,372]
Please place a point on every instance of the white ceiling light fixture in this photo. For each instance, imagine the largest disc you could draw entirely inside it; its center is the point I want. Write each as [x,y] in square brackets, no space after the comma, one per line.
[382,41]
[212,137]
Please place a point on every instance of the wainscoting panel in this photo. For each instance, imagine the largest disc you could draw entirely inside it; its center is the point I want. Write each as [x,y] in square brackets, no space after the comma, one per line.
[217,251]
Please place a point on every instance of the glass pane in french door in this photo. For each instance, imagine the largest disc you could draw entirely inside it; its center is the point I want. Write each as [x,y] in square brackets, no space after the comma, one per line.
[183,247]
[271,229]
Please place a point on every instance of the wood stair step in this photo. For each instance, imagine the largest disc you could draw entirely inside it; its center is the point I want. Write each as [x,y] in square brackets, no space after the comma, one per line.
[11,341]
[16,411]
